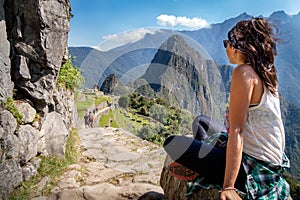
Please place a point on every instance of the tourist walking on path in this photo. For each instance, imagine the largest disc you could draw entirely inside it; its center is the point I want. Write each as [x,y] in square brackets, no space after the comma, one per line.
[86,120]
[91,119]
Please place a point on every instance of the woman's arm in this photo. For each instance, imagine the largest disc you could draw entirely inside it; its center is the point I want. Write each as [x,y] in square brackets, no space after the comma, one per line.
[240,96]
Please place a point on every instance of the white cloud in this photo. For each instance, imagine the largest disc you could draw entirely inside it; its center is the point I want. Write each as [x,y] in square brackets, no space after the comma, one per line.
[115,40]
[171,20]
[129,36]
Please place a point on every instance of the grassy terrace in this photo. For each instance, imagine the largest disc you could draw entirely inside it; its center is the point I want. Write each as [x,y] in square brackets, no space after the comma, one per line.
[85,101]
[120,118]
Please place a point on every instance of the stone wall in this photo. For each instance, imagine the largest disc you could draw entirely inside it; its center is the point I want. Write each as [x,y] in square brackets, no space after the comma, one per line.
[33,38]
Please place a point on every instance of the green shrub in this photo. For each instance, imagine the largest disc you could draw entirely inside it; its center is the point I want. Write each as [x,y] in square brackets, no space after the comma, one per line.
[157,139]
[152,134]
[10,106]
[69,76]
[147,132]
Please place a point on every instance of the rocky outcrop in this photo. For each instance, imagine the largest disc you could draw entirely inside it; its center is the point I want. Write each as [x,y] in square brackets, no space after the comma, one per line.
[175,188]
[33,38]
[6,86]
[110,84]
[38,32]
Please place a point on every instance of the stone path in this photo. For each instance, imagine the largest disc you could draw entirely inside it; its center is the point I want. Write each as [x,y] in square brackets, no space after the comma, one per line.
[115,165]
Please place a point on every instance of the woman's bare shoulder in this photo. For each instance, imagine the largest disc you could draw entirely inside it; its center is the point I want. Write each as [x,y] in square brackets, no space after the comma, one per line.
[245,70]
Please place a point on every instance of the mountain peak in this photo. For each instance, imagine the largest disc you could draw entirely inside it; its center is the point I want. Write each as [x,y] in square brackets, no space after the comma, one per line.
[232,21]
[183,46]
[279,15]
[172,42]
[243,16]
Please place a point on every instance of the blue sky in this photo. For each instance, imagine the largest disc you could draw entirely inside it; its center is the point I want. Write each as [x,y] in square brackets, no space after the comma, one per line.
[96,21]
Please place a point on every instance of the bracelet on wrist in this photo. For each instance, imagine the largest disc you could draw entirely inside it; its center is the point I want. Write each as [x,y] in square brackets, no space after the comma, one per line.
[228,188]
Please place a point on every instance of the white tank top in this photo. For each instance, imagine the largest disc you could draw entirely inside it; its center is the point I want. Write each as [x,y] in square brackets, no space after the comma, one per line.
[263,135]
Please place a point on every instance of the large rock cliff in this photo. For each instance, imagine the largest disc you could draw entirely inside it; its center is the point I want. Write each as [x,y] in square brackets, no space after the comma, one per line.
[33,37]
[6,86]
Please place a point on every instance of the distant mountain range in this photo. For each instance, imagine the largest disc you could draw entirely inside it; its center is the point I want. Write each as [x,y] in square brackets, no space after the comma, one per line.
[190,69]
[97,65]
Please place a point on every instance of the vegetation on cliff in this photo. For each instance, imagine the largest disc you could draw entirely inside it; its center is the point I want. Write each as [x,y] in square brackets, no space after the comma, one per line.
[69,76]
[10,106]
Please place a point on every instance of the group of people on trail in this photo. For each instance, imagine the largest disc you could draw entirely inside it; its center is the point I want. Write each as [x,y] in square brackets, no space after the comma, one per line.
[89,120]
[251,164]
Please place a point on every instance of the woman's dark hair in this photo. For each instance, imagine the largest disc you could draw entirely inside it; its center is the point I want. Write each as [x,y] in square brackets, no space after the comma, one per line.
[255,39]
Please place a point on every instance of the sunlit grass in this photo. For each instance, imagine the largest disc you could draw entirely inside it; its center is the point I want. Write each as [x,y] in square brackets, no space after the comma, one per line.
[120,118]
[83,106]
[86,101]
[104,120]
[102,99]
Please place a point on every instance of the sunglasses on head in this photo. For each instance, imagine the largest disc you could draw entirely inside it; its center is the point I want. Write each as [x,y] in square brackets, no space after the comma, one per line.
[225,43]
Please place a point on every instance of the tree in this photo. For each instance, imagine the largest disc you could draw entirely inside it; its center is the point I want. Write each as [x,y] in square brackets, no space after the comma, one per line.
[146,132]
[159,113]
[123,102]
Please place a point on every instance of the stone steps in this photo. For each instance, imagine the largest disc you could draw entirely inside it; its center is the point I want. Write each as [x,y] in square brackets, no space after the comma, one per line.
[115,165]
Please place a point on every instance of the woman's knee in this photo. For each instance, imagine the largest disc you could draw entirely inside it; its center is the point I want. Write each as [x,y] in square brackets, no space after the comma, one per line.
[168,140]
[176,146]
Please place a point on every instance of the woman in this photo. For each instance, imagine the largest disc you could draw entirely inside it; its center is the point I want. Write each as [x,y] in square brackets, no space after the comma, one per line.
[257,140]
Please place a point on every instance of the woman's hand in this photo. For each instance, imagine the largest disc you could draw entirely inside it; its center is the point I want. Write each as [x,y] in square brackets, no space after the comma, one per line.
[229,195]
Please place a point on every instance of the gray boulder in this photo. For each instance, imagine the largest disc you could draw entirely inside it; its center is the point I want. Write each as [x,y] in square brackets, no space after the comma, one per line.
[28,138]
[55,134]
[10,176]
[8,141]
[30,168]
[8,122]
[10,147]
[27,111]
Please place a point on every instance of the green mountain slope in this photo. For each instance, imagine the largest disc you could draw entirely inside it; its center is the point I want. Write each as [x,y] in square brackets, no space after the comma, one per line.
[185,78]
